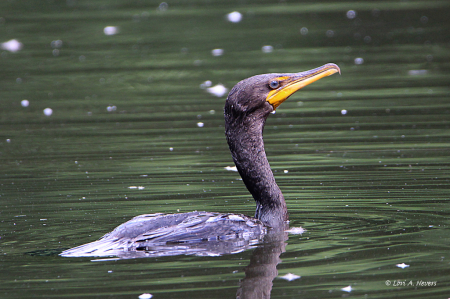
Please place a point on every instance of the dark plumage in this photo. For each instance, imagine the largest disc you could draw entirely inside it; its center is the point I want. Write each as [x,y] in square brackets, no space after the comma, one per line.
[246,111]
[247,107]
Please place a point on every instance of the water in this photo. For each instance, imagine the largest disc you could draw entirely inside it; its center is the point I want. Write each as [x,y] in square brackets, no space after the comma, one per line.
[370,185]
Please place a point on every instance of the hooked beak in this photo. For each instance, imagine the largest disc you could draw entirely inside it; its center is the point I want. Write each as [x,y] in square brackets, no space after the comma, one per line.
[290,83]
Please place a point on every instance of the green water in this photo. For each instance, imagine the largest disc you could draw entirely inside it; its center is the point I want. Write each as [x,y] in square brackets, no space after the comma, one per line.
[370,186]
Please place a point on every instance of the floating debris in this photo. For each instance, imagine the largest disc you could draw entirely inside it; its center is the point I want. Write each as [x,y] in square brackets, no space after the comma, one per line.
[231,168]
[110,30]
[200,124]
[267,49]
[290,277]
[347,289]
[234,17]
[145,296]
[417,72]
[205,84]
[402,265]
[56,44]
[137,187]
[351,14]
[218,90]
[359,60]
[296,230]
[217,52]
[12,45]
[48,111]
[163,6]
[111,108]
[343,112]
[25,103]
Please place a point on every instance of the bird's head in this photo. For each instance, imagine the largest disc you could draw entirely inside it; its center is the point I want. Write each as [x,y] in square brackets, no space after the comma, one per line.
[262,94]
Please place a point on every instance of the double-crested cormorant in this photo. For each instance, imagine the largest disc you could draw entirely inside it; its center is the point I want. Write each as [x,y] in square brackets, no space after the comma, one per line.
[247,107]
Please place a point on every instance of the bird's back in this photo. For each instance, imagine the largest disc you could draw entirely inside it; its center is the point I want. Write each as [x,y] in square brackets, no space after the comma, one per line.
[198,233]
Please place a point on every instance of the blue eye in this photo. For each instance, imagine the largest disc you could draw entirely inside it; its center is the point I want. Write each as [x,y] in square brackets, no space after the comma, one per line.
[274,84]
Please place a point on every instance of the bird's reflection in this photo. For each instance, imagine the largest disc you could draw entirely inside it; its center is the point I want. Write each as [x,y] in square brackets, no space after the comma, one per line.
[262,269]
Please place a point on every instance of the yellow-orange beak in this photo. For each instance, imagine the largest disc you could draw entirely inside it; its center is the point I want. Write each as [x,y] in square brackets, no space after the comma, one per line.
[290,83]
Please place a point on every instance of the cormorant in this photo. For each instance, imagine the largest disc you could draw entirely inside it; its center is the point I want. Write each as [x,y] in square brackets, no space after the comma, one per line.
[247,107]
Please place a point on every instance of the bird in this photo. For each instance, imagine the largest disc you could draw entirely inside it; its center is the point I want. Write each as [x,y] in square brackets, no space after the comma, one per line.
[246,110]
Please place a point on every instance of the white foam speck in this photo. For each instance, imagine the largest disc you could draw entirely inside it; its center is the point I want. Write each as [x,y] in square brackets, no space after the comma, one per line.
[347,289]
[25,103]
[218,90]
[200,124]
[217,52]
[359,60]
[267,49]
[110,30]
[343,112]
[402,265]
[163,6]
[145,296]
[290,277]
[417,72]
[48,111]
[12,45]
[56,44]
[231,168]
[234,17]
[351,14]
[137,187]
[205,84]
[296,230]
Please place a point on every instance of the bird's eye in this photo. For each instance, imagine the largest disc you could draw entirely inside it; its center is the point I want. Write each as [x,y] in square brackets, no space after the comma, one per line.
[274,84]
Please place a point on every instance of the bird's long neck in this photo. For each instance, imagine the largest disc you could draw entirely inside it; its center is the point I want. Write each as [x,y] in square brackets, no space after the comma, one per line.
[244,136]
